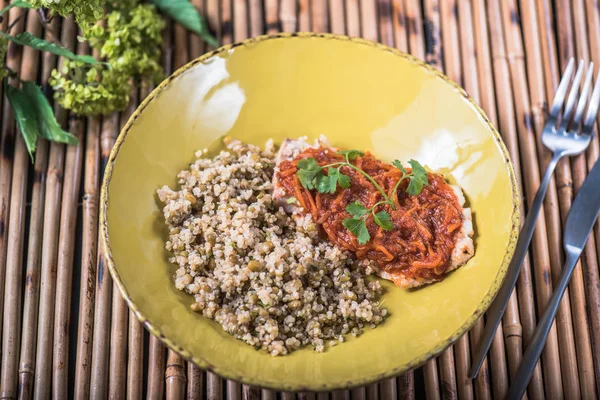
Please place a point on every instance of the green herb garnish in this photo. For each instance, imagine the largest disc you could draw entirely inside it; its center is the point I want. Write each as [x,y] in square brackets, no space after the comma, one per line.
[312,176]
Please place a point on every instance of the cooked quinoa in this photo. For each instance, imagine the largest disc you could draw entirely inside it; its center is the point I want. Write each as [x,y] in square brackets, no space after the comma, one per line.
[265,275]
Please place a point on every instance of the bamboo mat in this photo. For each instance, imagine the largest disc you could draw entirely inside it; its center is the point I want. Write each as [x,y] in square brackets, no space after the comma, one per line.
[65,330]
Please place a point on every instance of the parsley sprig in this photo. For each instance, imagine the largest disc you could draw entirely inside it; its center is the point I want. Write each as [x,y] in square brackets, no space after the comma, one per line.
[312,176]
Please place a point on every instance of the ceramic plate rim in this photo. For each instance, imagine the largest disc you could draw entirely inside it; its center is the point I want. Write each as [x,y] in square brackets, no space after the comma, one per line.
[278,385]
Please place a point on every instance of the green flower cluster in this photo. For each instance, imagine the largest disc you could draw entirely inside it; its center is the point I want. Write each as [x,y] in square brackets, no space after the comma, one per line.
[90,89]
[131,43]
[86,12]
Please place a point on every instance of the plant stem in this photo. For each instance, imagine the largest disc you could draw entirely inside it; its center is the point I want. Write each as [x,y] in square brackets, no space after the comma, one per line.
[348,164]
[379,203]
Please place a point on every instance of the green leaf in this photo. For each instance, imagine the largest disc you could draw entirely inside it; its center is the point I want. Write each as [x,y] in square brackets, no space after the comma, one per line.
[27,39]
[25,114]
[382,218]
[399,165]
[309,173]
[418,178]
[16,3]
[343,180]
[35,117]
[358,228]
[328,184]
[48,126]
[184,13]
[291,200]
[351,154]
[356,209]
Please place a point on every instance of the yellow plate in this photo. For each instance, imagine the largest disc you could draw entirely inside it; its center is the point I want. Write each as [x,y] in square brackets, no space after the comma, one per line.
[361,95]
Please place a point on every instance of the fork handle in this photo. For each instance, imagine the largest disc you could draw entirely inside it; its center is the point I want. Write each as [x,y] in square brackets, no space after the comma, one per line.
[496,310]
[538,341]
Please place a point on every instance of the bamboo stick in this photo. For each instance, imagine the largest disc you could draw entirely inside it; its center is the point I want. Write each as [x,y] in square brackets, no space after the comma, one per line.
[433,46]
[359,393]
[196,44]
[88,261]
[343,395]
[569,359]
[117,372]
[432,385]
[508,127]
[387,387]
[156,368]
[240,20]
[385,23]
[50,251]
[306,396]
[399,21]
[195,386]
[104,285]
[16,231]
[175,377]
[450,47]
[303,16]
[287,15]
[233,390]
[584,351]
[406,386]
[256,18]
[551,357]
[36,249]
[32,280]
[251,393]
[66,248]
[135,358]
[89,252]
[288,396]
[267,394]
[319,16]
[352,18]
[564,321]
[368,19]
[512,321]
[414,26]
[448,374]
[214,386]
[337,18]
[272,16]
[591,274]
[7,145]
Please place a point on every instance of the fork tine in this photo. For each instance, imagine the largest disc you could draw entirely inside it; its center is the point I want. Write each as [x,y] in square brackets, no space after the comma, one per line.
[592,112]
[561,91]
[585,92]
[572,95]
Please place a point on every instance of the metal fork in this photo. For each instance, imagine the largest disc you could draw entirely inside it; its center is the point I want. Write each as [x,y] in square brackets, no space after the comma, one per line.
[564,135]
